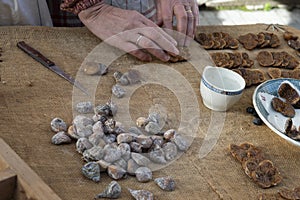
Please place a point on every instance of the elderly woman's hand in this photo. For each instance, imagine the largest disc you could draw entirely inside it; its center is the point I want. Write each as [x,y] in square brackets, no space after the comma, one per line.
[131,31]
[186,14]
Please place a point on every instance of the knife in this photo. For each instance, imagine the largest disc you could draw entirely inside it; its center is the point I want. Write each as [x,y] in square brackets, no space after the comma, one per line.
[50,65]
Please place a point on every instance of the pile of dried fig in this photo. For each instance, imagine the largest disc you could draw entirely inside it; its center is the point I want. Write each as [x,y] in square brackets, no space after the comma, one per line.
[285,193]
[256,166]
[277,59]
[261,40]
[217,40]
[283,73]
[251,76]
[231,60]
[291,100]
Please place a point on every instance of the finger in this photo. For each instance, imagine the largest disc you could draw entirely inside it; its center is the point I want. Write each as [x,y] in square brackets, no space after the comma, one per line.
[195,11]
[172,33]
[141,55]
[167,17]
[129,48]
[161,40]
[182,20]
[147,27]
[159,19]
[151,30]
[190,27]
[153,49]
[161,31]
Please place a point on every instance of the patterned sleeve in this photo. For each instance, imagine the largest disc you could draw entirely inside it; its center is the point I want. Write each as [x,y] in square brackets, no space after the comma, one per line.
[145,7]
[75,6]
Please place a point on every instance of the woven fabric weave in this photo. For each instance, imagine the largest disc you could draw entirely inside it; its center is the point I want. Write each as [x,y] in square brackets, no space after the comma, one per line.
[31,96]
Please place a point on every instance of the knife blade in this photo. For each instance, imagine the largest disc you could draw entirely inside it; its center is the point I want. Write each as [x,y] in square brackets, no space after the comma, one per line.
[50,65]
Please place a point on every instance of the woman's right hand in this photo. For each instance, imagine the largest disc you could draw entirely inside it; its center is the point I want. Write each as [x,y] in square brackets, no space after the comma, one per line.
[186,14]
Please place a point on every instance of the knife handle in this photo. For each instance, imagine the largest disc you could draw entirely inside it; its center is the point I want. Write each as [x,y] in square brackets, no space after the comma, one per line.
[35,54]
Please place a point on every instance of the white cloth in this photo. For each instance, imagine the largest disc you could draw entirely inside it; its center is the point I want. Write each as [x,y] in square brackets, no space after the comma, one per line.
[24,12]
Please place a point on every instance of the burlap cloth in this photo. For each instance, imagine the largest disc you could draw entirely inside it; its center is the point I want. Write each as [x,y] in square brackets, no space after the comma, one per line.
[30,96]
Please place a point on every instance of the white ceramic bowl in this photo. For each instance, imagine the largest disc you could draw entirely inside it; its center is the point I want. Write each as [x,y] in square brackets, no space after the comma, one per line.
[221,88]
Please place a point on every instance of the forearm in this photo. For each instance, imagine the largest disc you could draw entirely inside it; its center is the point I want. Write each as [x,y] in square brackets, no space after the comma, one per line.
[76,6]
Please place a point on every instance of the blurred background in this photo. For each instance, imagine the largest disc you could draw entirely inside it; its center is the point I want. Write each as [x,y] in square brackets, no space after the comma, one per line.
[237,12]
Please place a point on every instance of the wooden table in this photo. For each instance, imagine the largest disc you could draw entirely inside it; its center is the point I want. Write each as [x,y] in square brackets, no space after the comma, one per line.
[32,96]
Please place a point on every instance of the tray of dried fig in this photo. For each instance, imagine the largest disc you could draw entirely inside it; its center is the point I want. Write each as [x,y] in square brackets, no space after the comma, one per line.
[277,102]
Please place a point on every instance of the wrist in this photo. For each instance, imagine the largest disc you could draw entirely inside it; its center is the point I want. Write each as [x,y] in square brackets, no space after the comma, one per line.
[76,6]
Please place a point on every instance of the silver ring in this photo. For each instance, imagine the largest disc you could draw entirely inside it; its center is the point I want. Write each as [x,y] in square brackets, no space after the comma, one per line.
[138,40]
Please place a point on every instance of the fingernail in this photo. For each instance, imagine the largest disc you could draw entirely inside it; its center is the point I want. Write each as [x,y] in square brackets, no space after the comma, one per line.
[167,57]
[176,51]
[147,58]
[175,43]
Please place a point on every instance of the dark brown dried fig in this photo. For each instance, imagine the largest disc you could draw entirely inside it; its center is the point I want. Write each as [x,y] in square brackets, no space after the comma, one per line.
[270,196]
[245,151]
[275,42]
[266,174]
[289,36]
[291,61]
[265,58]
[287,92]
[249,41]
[278,58]
[290,194]
[274,73]
[251,76]
[285,108]
[295,73]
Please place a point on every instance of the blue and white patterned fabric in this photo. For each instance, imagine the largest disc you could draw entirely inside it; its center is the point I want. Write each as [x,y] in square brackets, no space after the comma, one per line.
[36,12]
[24,12]
[145,7]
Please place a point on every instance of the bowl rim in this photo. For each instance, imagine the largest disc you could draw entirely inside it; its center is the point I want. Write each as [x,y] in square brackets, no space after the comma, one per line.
[220,90]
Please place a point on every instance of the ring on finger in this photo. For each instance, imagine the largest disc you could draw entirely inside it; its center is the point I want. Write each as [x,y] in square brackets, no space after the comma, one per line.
[187,7]
[138,40]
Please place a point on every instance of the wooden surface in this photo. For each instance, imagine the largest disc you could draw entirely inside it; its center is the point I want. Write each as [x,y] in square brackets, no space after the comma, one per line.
[31,96]
[12,170]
